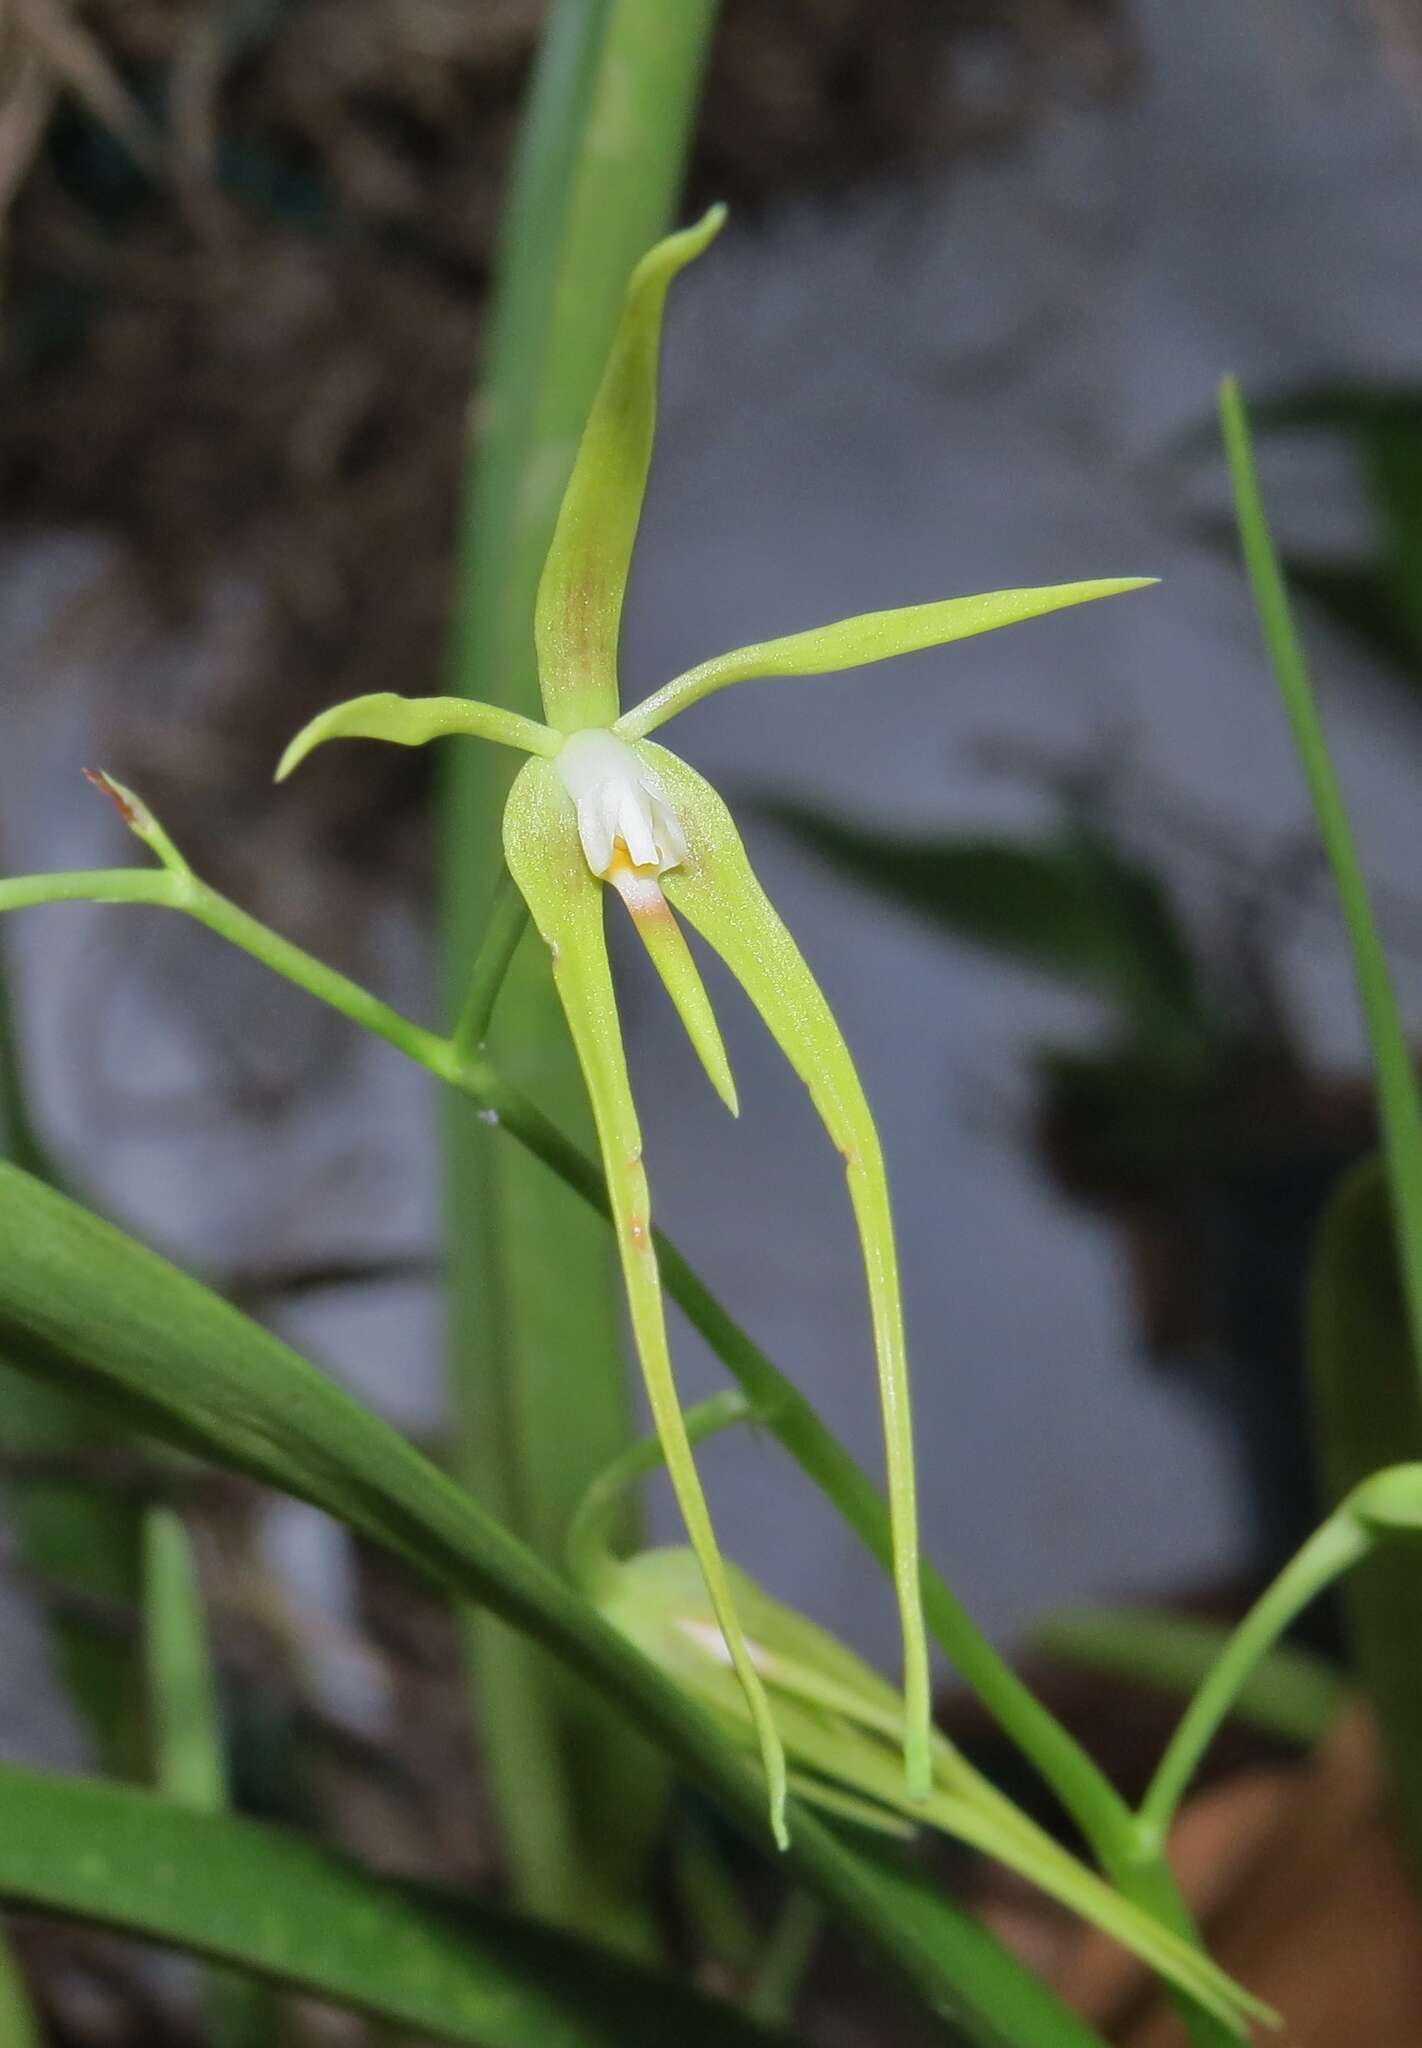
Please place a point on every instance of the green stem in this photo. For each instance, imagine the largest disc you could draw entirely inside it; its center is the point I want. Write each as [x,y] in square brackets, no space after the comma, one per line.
[1084,1791]
[508,921]
[592,1533]
[1329,1552]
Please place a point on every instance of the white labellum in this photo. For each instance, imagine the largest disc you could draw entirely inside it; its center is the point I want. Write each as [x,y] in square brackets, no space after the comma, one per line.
[618,797]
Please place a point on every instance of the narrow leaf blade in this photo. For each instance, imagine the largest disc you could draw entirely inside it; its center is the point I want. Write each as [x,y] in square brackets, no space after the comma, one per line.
[83,1306]
[1363,1388]
[189,1763]
[1397,1082]
[244,1893]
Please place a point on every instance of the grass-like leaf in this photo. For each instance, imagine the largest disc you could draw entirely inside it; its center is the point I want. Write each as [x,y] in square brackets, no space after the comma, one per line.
[241,1892]
[1363,1389]
[189,1765]
[1292,1694]
[85,1306]
[1392,1058]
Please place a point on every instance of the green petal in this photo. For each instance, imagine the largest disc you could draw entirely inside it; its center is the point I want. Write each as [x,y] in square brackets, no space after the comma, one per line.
[873,636]
[546,860]
[410,721]
[579,610]
[718,893]
[666,945]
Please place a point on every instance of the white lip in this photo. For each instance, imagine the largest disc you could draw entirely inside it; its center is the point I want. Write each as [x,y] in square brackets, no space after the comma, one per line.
[618,797]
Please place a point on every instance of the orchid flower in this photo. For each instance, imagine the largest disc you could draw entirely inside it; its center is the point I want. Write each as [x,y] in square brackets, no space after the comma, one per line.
[598,805]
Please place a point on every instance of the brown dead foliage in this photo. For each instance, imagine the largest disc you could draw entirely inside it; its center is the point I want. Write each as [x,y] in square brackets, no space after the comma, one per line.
[241,339]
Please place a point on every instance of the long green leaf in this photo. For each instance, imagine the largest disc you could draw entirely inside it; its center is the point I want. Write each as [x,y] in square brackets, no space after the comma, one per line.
[241,1892]
[83,1305]
[1069,904]
[1392,1058]
[1366,1415]
[79,1535]
[599,164]
[18,2026]
[189,1764]
[1292,1694]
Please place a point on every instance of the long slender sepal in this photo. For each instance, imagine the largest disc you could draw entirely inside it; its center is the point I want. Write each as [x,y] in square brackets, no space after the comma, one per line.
[657,928]
[873,636]
[718,893]
[546,860]
[579,610]
[411,721]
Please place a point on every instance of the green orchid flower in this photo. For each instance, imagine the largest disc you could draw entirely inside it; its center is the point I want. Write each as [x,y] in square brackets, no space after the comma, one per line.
[598,805]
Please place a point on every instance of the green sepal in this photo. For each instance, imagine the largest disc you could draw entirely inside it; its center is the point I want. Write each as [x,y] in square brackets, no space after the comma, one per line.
[579,610]
[412,721]
[873,636]
[719,895]
[546,860]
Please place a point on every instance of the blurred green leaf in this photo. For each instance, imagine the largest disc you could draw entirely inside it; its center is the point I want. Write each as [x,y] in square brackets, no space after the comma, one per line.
[18,2026]
[1068,904]
[85,1306]
[241,1892]
[1377,596]
[578,216]
[1366,1415]
[79,1535]
[1290,1694]
[186,1736]
[1398,1103]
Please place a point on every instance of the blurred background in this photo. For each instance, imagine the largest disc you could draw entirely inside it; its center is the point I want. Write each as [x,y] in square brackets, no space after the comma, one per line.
[986,263]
